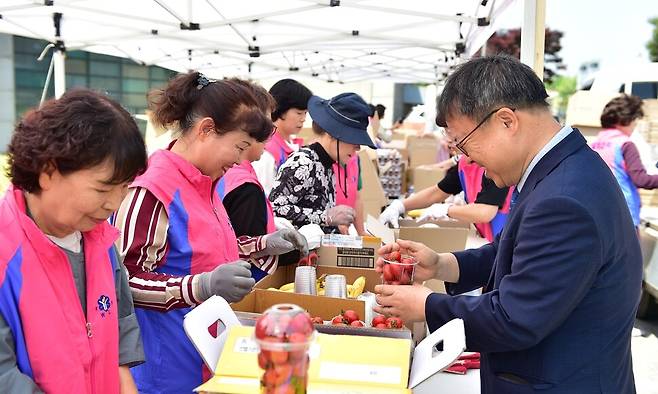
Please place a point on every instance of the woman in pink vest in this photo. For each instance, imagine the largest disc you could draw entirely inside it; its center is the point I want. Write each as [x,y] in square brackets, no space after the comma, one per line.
[304,191]
[67,323]
[615,146]
[289,115]
[247,206]
[347,179]
[487,204]
[176,238]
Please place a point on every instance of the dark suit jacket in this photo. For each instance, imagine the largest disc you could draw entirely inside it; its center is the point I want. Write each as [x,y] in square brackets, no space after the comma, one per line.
[562,283]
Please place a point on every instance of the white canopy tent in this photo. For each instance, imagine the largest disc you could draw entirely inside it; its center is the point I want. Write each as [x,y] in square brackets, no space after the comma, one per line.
[333,40]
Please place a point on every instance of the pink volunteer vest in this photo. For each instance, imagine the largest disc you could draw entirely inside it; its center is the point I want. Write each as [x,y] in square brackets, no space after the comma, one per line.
[200,238]
[241,174]
[352,182]
[470,176]
[56,345]
[279,149]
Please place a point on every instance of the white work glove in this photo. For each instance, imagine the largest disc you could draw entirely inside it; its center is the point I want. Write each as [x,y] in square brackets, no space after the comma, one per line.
[392,213]
[281,242]
[230,281]
[340,214]
[434,211]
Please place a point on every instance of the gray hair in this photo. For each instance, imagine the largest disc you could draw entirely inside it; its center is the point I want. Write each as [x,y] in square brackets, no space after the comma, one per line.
[481,85]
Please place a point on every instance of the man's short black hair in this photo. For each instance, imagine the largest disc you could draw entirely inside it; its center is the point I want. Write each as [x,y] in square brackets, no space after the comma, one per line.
[289,93]
[481,85]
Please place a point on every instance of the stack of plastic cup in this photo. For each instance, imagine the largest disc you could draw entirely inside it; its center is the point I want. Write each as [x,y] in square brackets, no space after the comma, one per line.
[305,277]
[335,286]
[284,334]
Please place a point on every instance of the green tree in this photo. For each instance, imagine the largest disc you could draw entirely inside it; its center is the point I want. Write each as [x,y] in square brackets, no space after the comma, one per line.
[652,45]
[565,87]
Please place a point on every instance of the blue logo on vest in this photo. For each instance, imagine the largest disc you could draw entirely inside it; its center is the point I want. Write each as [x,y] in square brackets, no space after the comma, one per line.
[103,305]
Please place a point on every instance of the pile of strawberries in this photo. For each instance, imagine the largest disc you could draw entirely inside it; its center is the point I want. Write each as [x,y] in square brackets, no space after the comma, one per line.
[398,269]
[351,318]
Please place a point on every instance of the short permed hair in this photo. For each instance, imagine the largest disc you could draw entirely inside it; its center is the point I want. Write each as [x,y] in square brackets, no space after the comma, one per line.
[288,94]
[621,111]
[481,85]
[78,131]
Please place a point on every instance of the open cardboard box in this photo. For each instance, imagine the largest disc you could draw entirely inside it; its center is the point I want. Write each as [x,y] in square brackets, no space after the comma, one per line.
[326,307]
[446,223]
[379,365]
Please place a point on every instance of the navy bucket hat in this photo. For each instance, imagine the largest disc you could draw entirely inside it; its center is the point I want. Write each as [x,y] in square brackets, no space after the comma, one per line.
[344,117]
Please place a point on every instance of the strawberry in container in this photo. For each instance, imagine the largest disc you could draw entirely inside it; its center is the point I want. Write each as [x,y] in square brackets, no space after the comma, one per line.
[398,269]
[284,334]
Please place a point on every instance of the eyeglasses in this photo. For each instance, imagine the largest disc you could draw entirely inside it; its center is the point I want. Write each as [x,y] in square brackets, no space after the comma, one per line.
[460,145]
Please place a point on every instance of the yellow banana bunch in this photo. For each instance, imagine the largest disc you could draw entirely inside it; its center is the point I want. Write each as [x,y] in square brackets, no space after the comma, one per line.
[354,290]
[288,287]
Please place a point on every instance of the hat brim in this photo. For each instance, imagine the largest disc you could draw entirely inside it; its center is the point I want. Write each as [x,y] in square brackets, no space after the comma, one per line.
[318,109]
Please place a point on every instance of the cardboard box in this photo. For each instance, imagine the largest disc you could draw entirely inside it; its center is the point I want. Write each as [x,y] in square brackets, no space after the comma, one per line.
[447,223]
[381,365]
[326,307]
[425,176]
[348,251]
[422,150]
[372,194]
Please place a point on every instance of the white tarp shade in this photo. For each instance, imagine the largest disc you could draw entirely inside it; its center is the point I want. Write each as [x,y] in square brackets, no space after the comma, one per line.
[354,40]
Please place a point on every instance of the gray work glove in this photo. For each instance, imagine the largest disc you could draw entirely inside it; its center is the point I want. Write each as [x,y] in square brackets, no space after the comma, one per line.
[230,281]
[281,242]
[340,215]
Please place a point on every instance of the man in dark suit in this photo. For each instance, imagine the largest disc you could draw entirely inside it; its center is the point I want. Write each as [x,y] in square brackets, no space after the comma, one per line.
[562,280]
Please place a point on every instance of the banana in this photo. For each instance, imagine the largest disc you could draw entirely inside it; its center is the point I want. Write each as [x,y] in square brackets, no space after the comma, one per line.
[273,289]
[358,286]
[350,290]
[288,287]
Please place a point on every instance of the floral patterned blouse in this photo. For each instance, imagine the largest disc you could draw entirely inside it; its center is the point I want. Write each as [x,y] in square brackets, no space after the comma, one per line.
[304,187]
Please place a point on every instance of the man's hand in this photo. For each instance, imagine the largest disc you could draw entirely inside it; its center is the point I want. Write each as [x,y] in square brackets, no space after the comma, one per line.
[428,260]
[405,302]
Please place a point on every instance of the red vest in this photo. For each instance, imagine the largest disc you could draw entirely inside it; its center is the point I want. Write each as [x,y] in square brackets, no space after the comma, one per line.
[352,185]
[56,345]
[200,238]
[470,176]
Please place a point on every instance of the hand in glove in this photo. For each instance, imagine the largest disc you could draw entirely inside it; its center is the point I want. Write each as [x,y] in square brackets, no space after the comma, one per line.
[434,211]
[281,242]
[340,215]
[230,281]
[392,213]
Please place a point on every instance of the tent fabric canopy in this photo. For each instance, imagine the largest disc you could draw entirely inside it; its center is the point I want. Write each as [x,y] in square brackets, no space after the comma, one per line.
[334,40]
